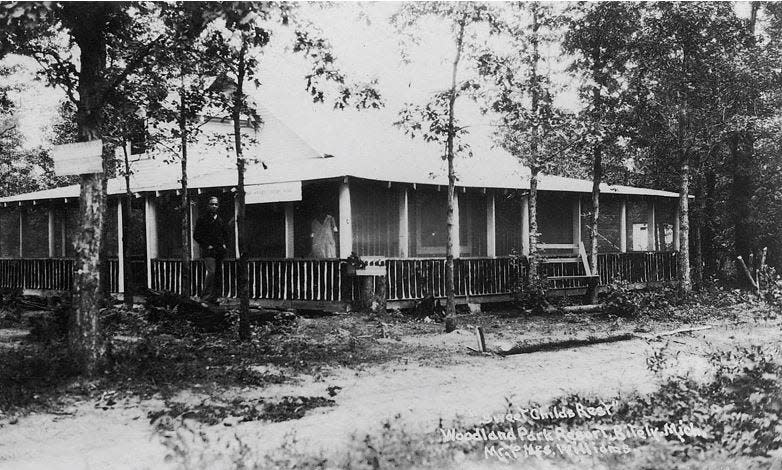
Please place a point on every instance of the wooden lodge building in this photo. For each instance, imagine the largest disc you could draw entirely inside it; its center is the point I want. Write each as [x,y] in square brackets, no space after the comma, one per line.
[386,194]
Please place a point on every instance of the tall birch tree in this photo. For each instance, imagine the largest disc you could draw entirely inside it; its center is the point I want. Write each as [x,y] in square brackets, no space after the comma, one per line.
[436,121]
[236,39]
[529,126]
[598,34]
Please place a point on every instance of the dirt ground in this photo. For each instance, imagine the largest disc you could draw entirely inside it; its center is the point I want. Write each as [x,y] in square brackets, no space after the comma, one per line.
[418,379]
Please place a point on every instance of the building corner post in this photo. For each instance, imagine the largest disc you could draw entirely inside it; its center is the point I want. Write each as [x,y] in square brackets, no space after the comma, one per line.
[404,224]
[345,222]
[289,234]
[150,216]
[491,229]
[525,225]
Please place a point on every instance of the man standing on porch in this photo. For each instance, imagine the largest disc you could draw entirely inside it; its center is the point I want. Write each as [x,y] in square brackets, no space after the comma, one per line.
[211,233]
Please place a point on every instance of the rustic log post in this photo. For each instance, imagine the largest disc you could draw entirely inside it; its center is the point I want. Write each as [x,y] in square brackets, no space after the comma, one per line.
[623,226]
[525,225]
[380,294]
[480,338]
[345,225]
[491,233]
[404,224]
[150,216]
[366,294]
[289,235]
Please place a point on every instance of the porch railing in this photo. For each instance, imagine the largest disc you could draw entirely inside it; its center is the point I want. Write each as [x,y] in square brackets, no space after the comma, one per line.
[37,273]
[415,278]
[326,279]
[638,267]
[269,279]
[51,274]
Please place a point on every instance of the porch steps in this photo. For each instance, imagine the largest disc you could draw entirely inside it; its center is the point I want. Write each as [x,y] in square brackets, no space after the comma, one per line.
[570,274]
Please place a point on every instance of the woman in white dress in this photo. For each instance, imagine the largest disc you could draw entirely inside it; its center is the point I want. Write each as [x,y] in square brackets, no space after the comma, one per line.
[322,234]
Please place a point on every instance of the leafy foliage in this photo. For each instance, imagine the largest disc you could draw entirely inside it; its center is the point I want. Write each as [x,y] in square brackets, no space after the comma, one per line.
[619,301]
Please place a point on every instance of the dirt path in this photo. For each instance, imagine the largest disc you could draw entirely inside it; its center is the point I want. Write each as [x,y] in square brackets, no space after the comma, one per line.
[416,396]
[478,386]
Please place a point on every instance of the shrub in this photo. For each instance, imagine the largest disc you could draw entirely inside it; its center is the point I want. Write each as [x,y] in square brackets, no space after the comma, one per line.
[529,294]
[51,326]
[533,296]
[620,301]
[771,285]
[10,307]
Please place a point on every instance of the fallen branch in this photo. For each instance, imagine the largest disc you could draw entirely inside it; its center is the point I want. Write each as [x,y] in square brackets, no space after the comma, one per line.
[572,343]
[589,308]
[680,330]
[565,344]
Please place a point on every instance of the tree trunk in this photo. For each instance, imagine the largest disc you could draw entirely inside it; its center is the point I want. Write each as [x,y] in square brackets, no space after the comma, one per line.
[700,220]
[127,227]
[532,273]
[84,338]
[534,156]
[710,259]
[685,284]
[597,176]
[241,263]
[740,145]
[597,162]
[185,197]
[450,294]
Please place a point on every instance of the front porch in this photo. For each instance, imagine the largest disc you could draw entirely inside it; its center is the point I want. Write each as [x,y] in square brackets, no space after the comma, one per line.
[398,227]
[325,283]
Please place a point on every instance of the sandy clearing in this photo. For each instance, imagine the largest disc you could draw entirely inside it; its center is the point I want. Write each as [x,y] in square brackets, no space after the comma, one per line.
[89,439]
[419,393]
[423,395]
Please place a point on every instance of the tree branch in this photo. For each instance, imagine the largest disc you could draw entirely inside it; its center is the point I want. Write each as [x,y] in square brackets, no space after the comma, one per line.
[129,68]
[66,83]
[7,130]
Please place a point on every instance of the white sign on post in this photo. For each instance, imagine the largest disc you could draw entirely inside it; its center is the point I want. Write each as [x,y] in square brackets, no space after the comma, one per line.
[78,158]
[273,192]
